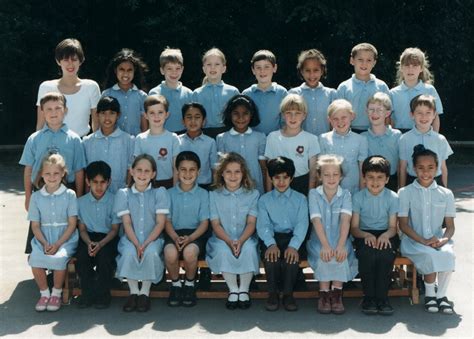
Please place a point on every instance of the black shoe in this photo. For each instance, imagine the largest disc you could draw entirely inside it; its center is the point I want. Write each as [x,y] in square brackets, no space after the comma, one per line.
[102,302]
[384,307]
[189,296]
[289,303]
[369,306]
[204,283]
[273,302]
[175,296]
[244,304]
[143,303]
[131,303]
[232,305]
[84,301]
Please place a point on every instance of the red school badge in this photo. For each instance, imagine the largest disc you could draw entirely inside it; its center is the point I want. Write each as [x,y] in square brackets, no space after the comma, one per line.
[300,149]
[163,152]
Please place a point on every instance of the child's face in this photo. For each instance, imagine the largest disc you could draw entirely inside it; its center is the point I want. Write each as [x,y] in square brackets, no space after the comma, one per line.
[98,186]
[312,72]
[425,170]
[69,66]
[241,118]
[281,182]
[142,173]
[375,181]
[377,113]
[363,62]
[107,120]
[330,176]
[156,115]
[52,176]
[341,120]
[263,71]
[188,172]
[193,120]
[172,71]
[232,176]
[294,118]
[213,68]
[423,116]
[411,72]
[54,111]
[125,72]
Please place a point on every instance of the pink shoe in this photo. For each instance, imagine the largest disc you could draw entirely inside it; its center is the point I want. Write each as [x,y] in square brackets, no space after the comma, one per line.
[54,304]
[42,304]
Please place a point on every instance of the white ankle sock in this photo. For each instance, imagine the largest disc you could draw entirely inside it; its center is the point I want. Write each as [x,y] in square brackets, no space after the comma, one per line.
[430,289]
[133,286]
[176,283]
[189,282]
[56,292]
[146,285]
[245,280]
[231,281]
[45,293]
[443,282]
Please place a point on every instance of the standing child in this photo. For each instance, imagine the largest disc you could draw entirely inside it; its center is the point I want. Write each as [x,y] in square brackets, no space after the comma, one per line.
[330,252]
[110,144]
[143,211]
[194,118]
[424,207]
[98,228]
[351,146]
[125,77]
[232,248]
[240,114]
[214,93]
[383,139]
[266,94]
[423,112]
[82,94]
[53,216]
[292,142]
[160,143]
[172,67]
[186,226]
[311,68]
[282,225]
[362,85]
[414,78]
[374,227]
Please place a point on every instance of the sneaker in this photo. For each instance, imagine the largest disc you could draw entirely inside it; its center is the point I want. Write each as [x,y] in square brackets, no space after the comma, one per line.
[384,307]
[54,304]
[273,302]
[431,305]
[445,306]
[175,296]
[41,304]
[337,307]
[368,306]
[189,296]
[324,303]
[289,303]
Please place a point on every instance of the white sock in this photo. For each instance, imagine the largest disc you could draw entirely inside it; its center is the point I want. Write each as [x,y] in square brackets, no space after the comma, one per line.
[176,283]
[146,285]
[45,293]
[430,289]
[133,286]
[443,282]
[245,280]
[231,281]
[56,292]
[189,282]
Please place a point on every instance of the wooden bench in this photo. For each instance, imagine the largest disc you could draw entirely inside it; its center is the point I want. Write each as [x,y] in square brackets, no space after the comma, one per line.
[402,284]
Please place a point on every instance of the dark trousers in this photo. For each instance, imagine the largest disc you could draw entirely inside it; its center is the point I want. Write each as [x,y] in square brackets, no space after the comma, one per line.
[105,265]
[375,266]
[280,274]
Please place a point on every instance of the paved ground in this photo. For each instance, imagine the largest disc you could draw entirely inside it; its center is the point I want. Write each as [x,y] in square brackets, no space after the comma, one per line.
[18,293]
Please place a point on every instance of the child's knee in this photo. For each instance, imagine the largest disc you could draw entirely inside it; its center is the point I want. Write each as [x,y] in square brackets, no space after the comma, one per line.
[190,253]
[171,253]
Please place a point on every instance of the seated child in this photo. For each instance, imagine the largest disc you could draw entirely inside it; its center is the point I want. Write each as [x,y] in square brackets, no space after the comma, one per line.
[282,225]
[374,227]
[98,229]
[424,206]
[186,226]
[330,252]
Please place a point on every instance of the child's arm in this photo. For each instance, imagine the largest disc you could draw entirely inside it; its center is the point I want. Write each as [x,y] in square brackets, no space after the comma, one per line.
[95,119]
[341,252]
[109,237]
[175,172]
[406,228]
[128,229]
[143,122]
[369,239]
[361,177]
[79,182]
[263,168]
[71,227]
[36,229]
[27,185]
[448,232]
[313,173]
[39,118]
[383,241]
[326,251]
[436,123]
[200,230]
[83,233]
[247,233]
[155,233]
[169,229]
[268,182]
[444,173]
[402,173]
[220,232]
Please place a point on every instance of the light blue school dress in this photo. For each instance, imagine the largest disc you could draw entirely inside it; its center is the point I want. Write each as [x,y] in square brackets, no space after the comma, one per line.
[52,212]
[250,145]
[142,208]
[426,209]
[232,209]
[329,213]
[353,148]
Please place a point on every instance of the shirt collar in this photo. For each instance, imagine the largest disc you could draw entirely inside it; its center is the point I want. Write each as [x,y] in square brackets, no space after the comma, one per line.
[63,128]
[433,185]
[305,86]
[192,190]
[236,192]
[388,131]
[59,191]
[135,191]
[117,88]
[117,132]
[105,198]
[271,88]
[417,132]
[406,88]
[277,194]
[320,190]
[354,78]
[341,135]
[200,136]
[220,84]
[232,131]
[180,84]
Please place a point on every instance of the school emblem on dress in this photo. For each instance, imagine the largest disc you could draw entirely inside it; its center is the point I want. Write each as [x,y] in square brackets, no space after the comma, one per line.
[300,149]
[163,152]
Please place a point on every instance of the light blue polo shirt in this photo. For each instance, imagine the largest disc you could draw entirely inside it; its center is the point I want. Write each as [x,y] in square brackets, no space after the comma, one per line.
[188,209]
[176,97]
[401,97]
[317,99]
[358,92]
[214,97]
[285,212]
[385,145]
[205,148]
[97,215]
[431,140]
[268,103]
[45,141]
[131,107]
[375,210]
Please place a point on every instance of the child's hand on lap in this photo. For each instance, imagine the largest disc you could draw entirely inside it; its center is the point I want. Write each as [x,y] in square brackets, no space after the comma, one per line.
[272,253]
[370,240]
[291,255]
[440,242]
[383,242]
[182,242]
[236,246]
[52,249]
[341,253]
[327,253]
